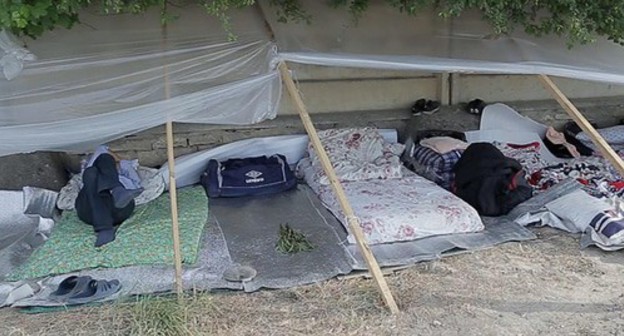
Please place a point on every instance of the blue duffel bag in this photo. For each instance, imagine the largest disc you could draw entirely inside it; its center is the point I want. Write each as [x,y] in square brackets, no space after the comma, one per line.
[249,176]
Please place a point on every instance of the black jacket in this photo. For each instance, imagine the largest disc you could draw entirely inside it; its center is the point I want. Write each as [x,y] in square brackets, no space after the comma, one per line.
[489,181]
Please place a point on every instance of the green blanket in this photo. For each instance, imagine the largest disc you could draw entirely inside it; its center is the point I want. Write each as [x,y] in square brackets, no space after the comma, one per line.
[143,239]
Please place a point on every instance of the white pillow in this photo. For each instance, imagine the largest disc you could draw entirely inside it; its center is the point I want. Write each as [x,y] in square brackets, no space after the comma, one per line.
[577,208]
[357,154]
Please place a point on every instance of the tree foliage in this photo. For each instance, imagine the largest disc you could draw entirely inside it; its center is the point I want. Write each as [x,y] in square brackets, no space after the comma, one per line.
[579,21]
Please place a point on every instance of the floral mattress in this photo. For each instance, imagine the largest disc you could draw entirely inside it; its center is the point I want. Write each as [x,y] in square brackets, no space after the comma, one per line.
[392,203]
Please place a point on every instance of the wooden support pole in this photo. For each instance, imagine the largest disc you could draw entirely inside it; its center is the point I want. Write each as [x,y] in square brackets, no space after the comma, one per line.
[354,224]
[578,117]
[173,197]
[173,192]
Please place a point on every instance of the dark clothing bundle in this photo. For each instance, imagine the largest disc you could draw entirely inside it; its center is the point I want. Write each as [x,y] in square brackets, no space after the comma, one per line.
[489,181]
[95,204]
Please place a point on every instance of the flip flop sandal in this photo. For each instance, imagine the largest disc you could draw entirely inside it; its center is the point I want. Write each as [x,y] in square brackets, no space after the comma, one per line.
[95,291]
[70,286]
[239,274]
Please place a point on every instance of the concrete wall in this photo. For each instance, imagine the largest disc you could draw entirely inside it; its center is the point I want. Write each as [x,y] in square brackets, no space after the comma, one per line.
[47,170]
[494,88]
[327,89]
[150,147]
[341,97]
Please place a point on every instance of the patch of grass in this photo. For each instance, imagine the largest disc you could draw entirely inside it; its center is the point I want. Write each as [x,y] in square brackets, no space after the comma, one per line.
[480,293]
[291,241]
[159,316]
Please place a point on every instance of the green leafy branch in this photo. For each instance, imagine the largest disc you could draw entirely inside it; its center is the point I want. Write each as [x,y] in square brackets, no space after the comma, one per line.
[579,21]
[291,241]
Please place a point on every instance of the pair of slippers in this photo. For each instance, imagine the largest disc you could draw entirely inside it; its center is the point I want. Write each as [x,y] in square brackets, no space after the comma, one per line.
[425,106]
[83,289]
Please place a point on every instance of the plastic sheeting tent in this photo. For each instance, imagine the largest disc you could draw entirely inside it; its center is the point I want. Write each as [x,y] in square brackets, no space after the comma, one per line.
[105,79]
[384,38]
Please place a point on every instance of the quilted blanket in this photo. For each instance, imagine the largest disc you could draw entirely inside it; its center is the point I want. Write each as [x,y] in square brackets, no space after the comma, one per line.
[392,203]
[144,239]
[402,209]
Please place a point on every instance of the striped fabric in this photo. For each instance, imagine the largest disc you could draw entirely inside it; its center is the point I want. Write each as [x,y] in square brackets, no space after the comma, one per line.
[606,230]
[435,166]
[607,224]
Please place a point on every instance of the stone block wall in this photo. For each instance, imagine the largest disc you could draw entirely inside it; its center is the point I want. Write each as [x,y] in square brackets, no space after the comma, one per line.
[49,170]
[150,146]
[151,149]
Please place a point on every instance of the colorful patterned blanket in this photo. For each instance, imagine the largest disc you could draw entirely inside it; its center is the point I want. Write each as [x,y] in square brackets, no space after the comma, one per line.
[143,239]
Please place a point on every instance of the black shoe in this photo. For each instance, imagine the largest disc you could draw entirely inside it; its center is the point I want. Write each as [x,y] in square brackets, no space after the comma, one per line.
[476,106]
[571,128]
[425,106]
[122,196]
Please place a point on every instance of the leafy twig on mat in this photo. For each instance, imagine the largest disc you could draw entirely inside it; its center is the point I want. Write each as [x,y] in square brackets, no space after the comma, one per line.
[291,241]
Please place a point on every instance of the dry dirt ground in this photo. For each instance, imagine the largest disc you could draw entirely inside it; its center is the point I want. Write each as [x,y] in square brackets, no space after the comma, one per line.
[546,286]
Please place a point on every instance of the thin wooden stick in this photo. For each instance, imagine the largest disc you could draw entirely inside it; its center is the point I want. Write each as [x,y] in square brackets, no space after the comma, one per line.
[173,194]
[354,224]
[578,117]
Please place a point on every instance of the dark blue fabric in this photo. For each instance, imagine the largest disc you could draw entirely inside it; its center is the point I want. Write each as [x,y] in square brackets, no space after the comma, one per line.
[247,177]
[94,204]
[606,224]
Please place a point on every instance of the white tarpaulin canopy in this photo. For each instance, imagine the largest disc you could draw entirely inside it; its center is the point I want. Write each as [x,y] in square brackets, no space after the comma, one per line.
[384,38]
[104,79]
